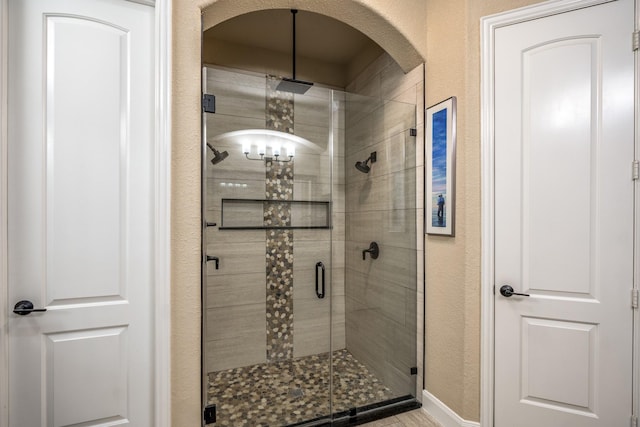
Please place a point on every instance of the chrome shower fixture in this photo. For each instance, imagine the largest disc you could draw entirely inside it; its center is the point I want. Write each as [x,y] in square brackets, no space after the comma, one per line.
[217,155]
[363,166]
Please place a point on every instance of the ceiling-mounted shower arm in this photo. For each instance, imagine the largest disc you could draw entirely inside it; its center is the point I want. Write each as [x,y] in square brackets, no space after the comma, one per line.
[293,38]
[292,84]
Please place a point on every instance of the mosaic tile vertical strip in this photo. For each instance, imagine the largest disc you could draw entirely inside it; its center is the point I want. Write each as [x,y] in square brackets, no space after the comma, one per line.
[279,107]
[279,243]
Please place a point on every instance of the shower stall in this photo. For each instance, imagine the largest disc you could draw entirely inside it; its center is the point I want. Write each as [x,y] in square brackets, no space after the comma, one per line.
[309,254]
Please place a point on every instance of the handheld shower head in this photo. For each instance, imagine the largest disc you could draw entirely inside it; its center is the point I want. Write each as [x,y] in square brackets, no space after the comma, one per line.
[217,155]
[363,166]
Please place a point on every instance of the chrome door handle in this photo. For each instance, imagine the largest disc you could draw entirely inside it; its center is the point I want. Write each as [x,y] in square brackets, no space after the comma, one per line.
[507,291]
[25,307]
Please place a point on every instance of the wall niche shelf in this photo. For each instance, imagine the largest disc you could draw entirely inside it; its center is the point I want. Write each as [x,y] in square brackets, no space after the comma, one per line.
[248,214]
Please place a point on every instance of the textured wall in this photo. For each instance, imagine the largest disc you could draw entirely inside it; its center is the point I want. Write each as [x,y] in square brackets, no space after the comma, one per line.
[452,331]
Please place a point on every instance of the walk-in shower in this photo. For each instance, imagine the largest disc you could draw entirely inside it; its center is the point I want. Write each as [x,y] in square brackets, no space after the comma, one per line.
[309,266]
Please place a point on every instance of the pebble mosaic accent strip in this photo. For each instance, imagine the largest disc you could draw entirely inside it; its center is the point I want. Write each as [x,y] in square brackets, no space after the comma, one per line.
[279,243]
[279,187]
[292,391]
[279,107]
[279,295]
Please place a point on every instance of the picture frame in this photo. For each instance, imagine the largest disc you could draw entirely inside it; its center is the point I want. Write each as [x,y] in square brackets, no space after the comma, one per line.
[440,168]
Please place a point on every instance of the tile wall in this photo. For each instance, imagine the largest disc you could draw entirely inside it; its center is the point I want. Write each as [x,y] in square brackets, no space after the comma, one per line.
[239,302]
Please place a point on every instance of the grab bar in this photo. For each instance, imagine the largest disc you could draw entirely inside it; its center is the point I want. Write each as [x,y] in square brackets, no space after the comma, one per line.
[320,294]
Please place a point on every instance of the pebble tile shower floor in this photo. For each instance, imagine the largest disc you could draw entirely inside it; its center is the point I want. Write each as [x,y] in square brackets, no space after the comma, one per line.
[292,391]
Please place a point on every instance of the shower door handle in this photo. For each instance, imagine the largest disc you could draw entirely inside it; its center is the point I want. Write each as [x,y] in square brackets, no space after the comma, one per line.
[320,269]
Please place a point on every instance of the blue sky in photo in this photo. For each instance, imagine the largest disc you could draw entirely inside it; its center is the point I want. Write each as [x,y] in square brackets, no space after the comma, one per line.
[439,152]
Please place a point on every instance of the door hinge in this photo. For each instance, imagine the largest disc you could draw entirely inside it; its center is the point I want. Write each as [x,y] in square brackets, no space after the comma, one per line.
[635,40]
[634,298]
[634,421]
[209,103]
[635,167]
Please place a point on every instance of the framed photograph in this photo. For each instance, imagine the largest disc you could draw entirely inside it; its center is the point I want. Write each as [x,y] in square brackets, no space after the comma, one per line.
[440,168]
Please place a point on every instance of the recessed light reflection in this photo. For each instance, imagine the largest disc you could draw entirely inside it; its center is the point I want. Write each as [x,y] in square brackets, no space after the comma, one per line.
[233,184]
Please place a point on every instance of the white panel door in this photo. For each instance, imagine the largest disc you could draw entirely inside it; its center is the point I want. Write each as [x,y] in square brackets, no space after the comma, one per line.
[80,219]
[564,146]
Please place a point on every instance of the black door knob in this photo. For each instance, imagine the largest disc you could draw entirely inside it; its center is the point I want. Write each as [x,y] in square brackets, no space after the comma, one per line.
[25,307]
[507,291]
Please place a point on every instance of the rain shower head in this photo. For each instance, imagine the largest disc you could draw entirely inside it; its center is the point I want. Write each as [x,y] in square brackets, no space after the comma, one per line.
[363,166]
[294,85]
[217,155]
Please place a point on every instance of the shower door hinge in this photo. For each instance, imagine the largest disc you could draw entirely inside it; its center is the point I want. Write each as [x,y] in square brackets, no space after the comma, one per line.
[635,40]
[634,421]
[209,103]
[635,167]
[209,415]
[634,298]
[413,132]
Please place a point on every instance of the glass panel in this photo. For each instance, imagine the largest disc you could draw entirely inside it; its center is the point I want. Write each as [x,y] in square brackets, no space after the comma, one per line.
[267,285]
[379,294]
[246,213]
[285,216]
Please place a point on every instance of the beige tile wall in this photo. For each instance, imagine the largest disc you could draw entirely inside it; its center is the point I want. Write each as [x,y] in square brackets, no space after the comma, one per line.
[319,176]
[235,331]
[384,297]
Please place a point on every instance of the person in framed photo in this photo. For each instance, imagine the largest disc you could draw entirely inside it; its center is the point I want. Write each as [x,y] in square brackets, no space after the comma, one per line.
[440,207]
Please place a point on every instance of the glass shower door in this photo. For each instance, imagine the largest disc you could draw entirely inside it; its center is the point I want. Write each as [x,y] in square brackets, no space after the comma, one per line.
[375,369]
[302,323]
[267,265]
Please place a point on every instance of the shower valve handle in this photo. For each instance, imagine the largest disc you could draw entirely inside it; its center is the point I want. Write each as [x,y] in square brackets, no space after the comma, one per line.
[214,258]
[374,251]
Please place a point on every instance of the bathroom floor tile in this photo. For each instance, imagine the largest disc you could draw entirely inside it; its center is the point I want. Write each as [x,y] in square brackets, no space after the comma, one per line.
[292,391]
